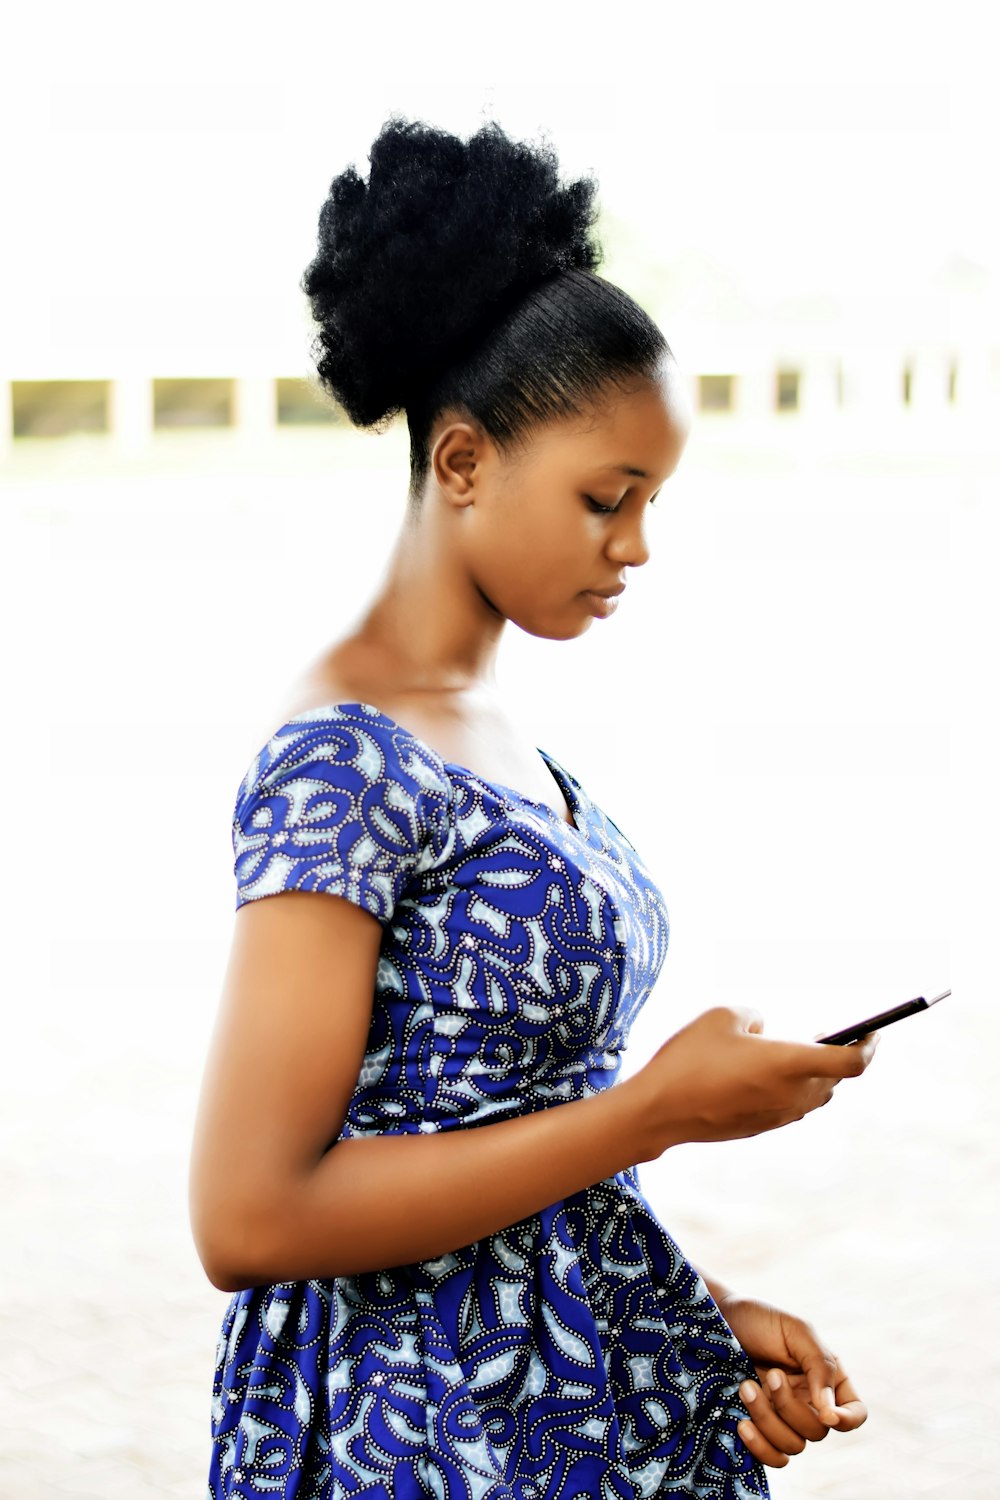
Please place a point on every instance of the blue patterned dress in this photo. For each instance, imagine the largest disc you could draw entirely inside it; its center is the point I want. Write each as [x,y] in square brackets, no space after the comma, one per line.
[575,1355]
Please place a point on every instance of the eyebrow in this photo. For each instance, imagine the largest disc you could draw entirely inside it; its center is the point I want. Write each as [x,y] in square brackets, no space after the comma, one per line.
[627,469]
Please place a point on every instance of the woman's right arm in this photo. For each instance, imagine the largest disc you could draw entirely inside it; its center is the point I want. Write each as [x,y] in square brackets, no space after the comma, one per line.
[270,1200]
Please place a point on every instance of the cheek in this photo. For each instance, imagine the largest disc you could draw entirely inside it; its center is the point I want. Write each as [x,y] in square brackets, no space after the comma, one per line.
[516,575]
[532,546]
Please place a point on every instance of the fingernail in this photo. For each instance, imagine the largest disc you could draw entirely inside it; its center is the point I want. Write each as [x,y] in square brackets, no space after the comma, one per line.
[774,1380]
[748,1391]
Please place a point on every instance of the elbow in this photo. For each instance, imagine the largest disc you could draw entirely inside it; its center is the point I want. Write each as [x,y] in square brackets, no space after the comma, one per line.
[219,1263]
[228,1245]
[220,1268]
[220,1276]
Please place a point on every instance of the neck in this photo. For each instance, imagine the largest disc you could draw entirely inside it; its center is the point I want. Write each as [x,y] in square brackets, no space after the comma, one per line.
[428,617]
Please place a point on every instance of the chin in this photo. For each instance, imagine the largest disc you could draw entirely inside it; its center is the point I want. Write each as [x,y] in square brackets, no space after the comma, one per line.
[569,632]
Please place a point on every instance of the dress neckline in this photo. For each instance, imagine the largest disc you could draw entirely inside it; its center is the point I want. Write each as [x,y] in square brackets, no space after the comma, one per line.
[572,792]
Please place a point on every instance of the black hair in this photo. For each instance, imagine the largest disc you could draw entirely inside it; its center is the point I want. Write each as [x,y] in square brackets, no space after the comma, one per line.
[462,275]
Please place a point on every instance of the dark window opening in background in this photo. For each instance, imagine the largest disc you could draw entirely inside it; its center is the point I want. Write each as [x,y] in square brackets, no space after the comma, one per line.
[715,392]
[787,390]
[907,385]
[193,403]
[297,401]
[54,408]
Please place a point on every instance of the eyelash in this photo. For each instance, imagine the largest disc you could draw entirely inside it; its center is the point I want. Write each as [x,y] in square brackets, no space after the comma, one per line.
[608,510]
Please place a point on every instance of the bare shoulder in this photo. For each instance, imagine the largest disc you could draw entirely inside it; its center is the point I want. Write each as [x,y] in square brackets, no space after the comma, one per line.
[466,728]
[336,677]
[351,673]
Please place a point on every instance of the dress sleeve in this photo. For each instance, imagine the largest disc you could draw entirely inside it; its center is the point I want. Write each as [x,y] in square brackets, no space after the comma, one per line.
[344,802]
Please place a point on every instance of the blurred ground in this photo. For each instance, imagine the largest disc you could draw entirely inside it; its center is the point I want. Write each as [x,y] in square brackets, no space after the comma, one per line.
[109,1326]
[875,1217]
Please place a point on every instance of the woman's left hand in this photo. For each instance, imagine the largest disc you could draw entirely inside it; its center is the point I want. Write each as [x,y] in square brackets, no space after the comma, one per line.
[813,1393]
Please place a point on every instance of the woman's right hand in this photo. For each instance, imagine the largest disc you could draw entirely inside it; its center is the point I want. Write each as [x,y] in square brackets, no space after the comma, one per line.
[719,1078]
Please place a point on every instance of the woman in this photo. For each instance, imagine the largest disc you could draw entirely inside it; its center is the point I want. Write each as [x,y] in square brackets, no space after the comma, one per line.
[413,1166]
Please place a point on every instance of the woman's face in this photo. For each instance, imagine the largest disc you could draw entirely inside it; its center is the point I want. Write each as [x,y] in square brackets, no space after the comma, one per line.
[539,531]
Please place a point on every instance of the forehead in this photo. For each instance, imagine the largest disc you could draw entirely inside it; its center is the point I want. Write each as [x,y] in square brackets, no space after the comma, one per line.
[638,434]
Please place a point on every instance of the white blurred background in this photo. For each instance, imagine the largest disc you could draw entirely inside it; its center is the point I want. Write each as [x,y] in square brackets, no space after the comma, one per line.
[793,716]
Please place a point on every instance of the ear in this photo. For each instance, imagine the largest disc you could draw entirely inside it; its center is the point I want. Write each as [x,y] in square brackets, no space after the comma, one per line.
[456,459]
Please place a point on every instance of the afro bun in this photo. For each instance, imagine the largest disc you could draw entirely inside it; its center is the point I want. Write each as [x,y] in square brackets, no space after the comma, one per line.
[413,266]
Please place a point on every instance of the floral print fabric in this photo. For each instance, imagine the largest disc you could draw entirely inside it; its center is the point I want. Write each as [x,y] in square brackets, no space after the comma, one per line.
[574,1354]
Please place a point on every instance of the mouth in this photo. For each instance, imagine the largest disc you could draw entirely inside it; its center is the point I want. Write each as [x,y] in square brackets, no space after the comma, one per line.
[603,604]
[607,593]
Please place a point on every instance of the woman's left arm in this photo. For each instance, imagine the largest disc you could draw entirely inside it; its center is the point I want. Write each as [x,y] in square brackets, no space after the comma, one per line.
[804,1390]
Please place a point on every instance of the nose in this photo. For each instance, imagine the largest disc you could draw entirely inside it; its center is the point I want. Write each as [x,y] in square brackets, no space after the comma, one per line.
[627,541]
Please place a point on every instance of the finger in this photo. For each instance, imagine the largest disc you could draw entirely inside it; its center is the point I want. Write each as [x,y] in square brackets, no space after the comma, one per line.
[868,1036]
[851,1410]
[827,1060]
[759,1446]
[768,1422]
[852,1414]
[793,1408]
[831,1391]
[822,1371]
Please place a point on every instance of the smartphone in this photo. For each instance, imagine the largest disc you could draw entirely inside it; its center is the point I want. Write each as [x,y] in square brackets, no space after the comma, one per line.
[884,1018]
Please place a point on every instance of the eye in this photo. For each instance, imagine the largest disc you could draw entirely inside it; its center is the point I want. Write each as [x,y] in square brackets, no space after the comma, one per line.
[610,510]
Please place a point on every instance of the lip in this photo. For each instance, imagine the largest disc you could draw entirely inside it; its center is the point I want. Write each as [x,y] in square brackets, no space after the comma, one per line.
[602,604]
[607,593]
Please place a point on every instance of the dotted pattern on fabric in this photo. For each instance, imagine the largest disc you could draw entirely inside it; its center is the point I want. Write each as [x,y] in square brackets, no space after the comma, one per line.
[574,1354]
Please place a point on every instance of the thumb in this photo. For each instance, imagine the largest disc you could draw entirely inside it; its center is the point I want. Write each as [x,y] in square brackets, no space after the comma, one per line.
[819,1368]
